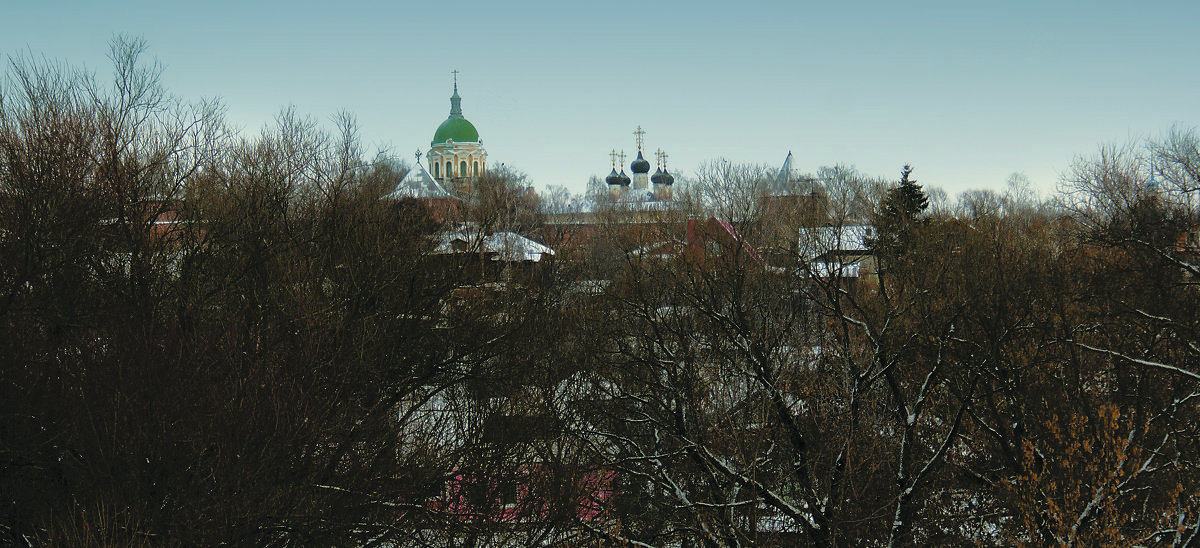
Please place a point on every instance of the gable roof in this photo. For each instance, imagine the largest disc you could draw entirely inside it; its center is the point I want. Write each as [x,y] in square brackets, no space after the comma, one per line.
[417,183]
[819,241]
[500,246]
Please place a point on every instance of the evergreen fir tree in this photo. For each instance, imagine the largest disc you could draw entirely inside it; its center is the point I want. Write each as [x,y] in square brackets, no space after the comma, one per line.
[897,216]
[907,200]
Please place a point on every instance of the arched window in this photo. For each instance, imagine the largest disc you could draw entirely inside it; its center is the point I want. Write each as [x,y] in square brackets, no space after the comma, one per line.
[462,168]
[449,169]
[435,170]
[475,169]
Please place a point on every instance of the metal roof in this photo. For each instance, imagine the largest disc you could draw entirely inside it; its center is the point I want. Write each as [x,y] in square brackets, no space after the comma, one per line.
[820,241]
[417,183]
[503,246]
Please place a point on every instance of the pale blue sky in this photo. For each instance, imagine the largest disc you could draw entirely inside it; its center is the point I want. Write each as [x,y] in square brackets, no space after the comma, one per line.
[967,92]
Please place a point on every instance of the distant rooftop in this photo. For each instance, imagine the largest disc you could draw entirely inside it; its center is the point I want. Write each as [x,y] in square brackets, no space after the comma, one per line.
[417,183]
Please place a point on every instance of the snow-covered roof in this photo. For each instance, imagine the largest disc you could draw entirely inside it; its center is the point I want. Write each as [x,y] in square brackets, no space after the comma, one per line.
[417,183]
[822,240]
[503,246]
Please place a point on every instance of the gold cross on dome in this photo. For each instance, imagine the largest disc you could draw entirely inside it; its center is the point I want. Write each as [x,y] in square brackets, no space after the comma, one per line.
[622,155]
[639,133]
[455,73]
[613,155]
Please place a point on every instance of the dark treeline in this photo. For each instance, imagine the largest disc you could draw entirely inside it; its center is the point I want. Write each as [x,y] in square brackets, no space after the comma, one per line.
[209,339]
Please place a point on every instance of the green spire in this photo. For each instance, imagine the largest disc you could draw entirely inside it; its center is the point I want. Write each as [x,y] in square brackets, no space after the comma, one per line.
[455,103]
[455,100]
[456,128]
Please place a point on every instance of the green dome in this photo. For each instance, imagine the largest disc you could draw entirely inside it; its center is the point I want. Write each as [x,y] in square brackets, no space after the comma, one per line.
[458,129]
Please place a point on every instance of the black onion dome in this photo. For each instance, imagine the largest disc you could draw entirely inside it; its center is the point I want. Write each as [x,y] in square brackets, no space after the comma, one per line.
[657,178]
[668,179]
[640,165]
[625,180]
[613,178]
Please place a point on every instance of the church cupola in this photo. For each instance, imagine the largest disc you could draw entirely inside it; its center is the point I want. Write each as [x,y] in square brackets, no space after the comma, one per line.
[456,154]
[617,182]
[637,189]
[640,167]
[657,178]
[456,128]
[613,178]
[662,178]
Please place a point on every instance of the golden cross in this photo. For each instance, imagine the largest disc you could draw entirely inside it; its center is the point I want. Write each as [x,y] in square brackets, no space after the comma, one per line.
[639,133]
[613,155]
